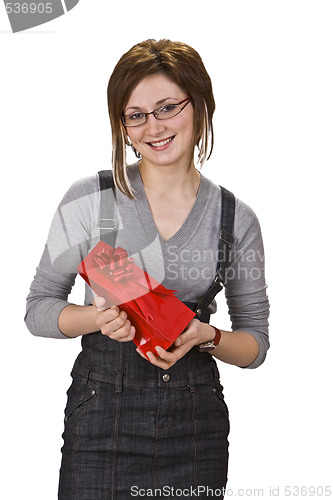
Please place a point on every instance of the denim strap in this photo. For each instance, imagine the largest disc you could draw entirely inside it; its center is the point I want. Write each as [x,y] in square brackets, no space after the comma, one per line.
[226,241]
[107,221]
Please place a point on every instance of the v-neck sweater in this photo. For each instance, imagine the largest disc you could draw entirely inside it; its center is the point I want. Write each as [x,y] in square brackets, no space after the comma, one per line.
[190,225]
[185,263]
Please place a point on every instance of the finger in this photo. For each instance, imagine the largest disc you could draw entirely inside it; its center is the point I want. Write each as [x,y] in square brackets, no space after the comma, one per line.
[190,334]
[123,334]
[126,337]
[183,338]
[105,317]
[114,315]
[118,325]
[180,340]
[169,356]
[174,353]
[99,303]
[138,350]
[157,361]
[160,360]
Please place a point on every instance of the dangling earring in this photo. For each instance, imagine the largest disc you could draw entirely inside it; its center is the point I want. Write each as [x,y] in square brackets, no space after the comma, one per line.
[137,154]
[129,143]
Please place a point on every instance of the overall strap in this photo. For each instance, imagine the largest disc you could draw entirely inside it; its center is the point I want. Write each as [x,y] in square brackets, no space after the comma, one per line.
[226,242]
[227,232]
[107,222]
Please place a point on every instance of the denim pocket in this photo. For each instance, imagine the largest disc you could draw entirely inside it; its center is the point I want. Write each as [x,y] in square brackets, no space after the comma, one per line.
[217,391]
[80,396]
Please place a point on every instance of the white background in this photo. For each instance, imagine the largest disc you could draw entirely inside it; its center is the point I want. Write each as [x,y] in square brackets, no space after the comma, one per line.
[271,67]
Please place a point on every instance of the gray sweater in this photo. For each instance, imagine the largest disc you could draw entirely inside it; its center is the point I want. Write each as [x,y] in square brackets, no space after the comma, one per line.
[186,262]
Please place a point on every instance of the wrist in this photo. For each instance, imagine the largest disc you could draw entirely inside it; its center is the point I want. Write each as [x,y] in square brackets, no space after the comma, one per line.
[212,339]
[210,334]
[76,320]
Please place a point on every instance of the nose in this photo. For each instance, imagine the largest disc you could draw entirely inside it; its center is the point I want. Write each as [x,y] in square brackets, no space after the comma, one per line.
[154,126]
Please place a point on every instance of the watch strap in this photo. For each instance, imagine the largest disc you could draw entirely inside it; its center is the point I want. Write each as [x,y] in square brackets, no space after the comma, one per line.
[212,344]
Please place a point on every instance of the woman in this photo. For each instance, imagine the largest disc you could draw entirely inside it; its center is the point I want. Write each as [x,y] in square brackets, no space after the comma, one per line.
[135,427]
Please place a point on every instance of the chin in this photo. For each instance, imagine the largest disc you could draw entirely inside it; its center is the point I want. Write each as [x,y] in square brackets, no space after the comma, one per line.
[168,159]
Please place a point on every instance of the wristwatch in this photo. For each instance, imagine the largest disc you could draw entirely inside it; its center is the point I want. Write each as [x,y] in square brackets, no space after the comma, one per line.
[211,344]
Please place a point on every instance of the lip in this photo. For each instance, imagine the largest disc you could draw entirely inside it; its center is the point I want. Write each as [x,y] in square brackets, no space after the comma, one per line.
[163,146]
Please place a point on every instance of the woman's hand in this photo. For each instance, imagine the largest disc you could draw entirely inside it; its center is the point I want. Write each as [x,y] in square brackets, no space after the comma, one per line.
[195,333]
[112,322]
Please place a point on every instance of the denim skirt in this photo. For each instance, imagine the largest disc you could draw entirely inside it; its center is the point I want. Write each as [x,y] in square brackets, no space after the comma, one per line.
[135,430]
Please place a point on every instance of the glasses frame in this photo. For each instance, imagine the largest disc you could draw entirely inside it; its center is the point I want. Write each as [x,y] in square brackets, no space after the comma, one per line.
[188,99]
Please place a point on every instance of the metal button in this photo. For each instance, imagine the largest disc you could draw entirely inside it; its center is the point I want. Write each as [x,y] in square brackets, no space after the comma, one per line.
[199,312]
[93,392]
[166,377]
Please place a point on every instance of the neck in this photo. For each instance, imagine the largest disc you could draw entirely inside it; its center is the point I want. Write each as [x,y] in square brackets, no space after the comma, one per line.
[162,179]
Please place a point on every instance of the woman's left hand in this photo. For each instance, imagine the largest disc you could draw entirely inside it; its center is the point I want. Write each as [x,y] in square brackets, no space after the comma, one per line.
[195,333]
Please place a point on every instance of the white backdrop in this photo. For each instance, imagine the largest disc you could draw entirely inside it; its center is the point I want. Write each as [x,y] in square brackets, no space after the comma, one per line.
[271,67]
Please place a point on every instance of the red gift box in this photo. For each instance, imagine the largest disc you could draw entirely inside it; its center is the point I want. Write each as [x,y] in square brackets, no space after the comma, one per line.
[158,316]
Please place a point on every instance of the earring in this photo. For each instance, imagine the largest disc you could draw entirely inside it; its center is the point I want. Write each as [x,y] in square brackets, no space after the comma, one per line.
[137,154]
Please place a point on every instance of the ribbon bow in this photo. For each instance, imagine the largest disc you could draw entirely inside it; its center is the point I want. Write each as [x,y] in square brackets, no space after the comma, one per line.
[116,262]
[133,284]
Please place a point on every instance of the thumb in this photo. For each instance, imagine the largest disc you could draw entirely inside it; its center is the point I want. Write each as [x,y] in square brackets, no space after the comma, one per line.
[99,303]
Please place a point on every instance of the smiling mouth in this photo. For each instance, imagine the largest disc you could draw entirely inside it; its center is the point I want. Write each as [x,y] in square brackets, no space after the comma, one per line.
[161,143]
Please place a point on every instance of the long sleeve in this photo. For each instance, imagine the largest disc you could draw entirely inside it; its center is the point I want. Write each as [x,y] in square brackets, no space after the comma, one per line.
[245,286]
[70,238]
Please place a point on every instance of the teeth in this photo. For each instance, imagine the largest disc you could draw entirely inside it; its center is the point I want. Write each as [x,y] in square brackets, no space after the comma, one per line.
[162,142]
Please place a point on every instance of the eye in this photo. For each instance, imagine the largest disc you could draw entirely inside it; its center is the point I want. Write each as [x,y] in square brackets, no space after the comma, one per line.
[167,108]
[135,116]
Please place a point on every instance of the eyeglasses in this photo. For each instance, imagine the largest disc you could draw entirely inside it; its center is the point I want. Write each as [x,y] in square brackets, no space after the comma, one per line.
[163,113]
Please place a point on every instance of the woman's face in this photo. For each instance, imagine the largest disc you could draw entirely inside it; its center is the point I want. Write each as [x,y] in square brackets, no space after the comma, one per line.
[161,142]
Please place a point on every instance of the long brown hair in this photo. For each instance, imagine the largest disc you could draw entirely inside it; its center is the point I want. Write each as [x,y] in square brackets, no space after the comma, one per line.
[183,65]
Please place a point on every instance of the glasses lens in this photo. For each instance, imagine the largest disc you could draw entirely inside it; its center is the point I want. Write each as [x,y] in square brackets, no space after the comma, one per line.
[168,111]
[134,119]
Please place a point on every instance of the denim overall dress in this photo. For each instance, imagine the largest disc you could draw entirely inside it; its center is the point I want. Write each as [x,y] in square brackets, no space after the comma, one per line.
[135,430]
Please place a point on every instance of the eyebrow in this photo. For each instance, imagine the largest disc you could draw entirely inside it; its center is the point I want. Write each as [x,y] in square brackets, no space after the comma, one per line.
[158,103]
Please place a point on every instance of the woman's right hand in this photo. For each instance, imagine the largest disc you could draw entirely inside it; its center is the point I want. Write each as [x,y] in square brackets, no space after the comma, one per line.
[112,322]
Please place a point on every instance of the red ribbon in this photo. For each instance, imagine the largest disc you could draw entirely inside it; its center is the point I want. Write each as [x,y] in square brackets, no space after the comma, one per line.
[116,262]
[133,283]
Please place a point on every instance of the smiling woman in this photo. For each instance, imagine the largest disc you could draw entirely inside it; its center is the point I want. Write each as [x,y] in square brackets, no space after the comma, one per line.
[179,67]
[161,141]
[160,422]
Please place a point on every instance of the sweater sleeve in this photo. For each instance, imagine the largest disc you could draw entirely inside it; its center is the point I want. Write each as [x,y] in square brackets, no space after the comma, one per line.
[70,237]
[245,286]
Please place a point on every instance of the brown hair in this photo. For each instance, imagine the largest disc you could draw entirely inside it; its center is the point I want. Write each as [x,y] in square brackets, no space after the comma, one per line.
[183,65]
